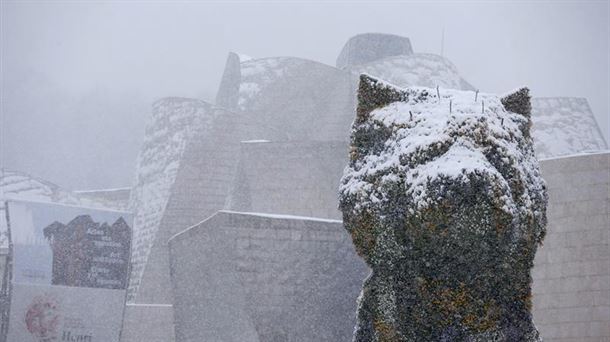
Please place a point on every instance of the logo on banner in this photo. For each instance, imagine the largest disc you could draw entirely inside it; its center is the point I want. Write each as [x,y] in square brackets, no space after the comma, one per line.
[43,317]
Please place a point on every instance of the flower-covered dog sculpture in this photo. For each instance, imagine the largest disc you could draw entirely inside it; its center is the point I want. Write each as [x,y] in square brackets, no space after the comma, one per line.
[444,200]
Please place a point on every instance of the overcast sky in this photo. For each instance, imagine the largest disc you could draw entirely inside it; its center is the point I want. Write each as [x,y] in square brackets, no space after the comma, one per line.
[76,72]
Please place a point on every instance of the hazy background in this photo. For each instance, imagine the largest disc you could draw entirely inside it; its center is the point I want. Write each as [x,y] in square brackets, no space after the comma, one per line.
[78,77]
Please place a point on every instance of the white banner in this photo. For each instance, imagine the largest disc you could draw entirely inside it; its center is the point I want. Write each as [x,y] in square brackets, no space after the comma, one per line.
[69,274]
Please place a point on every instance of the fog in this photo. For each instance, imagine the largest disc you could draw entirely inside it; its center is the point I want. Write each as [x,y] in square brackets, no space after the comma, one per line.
[78,78]
[404,194]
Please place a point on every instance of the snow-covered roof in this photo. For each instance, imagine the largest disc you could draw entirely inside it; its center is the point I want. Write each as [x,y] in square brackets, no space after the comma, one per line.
[289,98]
[420,69]
[281,217]
[564,126]
[16,185]
[254,141]
[20,185]
[103,191]
[257,74]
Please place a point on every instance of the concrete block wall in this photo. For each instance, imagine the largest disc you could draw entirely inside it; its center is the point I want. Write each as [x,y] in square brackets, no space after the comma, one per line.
[149,322]
[247,277]
[571,276]
[199,190]
[207,165]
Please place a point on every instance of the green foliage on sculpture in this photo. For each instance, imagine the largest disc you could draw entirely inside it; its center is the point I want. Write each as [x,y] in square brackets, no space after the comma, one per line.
[444,200]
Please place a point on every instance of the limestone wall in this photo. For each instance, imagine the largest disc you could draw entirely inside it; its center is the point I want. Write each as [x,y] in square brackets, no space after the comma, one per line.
[571,289]
[247,277]
[296,99]
[174,123]
[255,268]
[199,189]
[296,178]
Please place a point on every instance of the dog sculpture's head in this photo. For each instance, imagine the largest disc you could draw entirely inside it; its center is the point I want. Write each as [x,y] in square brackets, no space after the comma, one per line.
[443,189]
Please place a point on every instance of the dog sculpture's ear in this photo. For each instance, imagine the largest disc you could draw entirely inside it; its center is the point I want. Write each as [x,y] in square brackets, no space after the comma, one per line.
[518,102]
[372,94]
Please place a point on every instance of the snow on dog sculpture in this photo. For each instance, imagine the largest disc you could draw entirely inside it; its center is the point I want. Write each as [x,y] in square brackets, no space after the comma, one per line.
[444,201]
